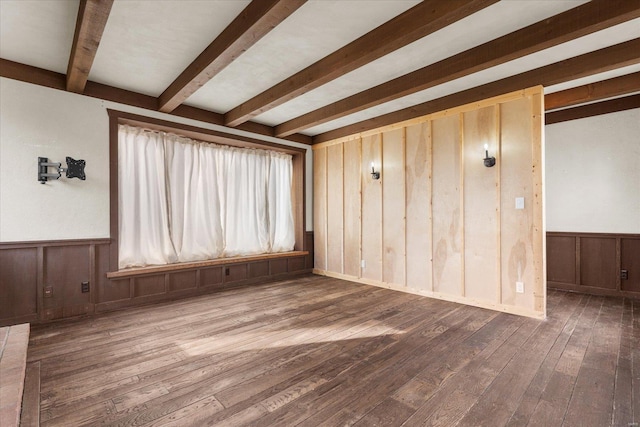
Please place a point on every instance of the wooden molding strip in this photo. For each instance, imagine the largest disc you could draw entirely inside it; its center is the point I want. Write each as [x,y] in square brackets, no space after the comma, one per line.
[136,271]
[253,23]
[200,134]
[591,234]
[50,79]
[577,22]
[595,109]
[611,88]
[54,243]
[599,61]
[423,19]
[92,18]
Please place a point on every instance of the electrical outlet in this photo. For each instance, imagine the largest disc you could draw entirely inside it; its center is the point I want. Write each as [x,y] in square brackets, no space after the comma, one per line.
[624,274]
[48,291]
[84,286]
[363,264]
[520,287]
[226,271]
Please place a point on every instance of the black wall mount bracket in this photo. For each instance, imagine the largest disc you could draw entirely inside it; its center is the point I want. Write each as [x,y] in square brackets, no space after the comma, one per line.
[74,169]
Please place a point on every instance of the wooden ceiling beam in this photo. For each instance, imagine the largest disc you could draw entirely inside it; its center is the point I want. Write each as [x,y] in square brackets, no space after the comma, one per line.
[423,19]
[38,76]
[595,109]
[597,91]
[577,22]
[599,61]
[92,18]
[253,23]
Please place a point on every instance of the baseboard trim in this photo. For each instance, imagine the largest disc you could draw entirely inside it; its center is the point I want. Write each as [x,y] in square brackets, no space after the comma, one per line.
[437,295]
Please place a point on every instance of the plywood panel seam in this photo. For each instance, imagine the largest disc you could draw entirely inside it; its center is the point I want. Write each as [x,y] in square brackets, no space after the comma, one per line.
[463,285]
[404,206]
[499,199]
[382,206]
[430,175]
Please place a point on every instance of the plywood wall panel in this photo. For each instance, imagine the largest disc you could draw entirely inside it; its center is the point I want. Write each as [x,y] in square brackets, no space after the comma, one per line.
[517,224]
[320,207]
[393,207]
[371,209]
[447,215]
[481,202]
[418,206]
[438,222]
[335,208]
[352,206]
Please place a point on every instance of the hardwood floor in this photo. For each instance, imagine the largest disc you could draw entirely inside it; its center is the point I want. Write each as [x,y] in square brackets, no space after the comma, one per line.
[320,351]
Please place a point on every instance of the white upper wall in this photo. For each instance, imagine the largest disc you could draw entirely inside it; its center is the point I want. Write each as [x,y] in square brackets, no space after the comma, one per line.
[593,174]
[40,122]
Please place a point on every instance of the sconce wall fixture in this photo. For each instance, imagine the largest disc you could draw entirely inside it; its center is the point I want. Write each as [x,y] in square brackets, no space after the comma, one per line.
[374,174]
[488,161]
[74,169]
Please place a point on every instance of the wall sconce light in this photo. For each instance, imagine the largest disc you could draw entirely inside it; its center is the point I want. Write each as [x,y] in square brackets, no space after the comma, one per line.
[488,161]
[374,174]
[74,169]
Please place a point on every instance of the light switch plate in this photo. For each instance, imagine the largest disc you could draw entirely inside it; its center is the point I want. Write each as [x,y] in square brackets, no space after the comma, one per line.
[520,287]
[363,264]
[519,202]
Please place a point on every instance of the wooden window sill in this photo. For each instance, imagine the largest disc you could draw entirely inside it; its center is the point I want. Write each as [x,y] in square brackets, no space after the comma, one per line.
[136,271]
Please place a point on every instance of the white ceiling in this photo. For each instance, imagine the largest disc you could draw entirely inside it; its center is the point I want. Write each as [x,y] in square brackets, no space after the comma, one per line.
[146,45]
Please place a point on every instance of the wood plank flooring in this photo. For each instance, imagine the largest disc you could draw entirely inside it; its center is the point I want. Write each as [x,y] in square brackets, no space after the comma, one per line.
[316,351]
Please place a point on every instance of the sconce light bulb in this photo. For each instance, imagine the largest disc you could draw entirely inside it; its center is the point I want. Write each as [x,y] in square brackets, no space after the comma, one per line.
[486,147]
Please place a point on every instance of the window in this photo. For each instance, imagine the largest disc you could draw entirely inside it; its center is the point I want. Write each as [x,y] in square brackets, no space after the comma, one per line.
[180,199]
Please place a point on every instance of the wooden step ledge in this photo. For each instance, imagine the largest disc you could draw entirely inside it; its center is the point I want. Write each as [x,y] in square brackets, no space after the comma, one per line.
[30,415]
[14,341]
[136,271]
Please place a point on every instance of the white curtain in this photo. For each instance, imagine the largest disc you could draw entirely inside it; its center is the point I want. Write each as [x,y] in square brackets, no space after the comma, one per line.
[194,202]
[281,231]
[142,197]
[183,200]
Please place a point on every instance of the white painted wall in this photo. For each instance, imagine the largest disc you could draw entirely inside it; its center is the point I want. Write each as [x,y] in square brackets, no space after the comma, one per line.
[593,174]
[38,121]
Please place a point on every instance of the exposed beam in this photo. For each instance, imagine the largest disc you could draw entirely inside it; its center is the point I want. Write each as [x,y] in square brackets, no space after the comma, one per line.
[595,109]
[253,23]
[92,18]
[417,22]
[50,79]
[577,22]
[599,61]
[597,91]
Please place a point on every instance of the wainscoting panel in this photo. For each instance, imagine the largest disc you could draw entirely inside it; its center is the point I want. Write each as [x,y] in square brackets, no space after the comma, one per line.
[561,258]
[43,281]
[594,263]
[630,261]
[183,280]
[19,284]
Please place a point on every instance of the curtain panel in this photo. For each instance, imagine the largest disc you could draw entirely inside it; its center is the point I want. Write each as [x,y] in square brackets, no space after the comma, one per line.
[182,200]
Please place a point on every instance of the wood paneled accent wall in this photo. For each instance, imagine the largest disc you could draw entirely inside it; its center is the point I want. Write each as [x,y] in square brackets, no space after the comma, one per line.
[438,222]
[593,263]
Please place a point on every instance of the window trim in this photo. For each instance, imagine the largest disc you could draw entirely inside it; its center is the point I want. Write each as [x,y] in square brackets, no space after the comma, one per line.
[116,118]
